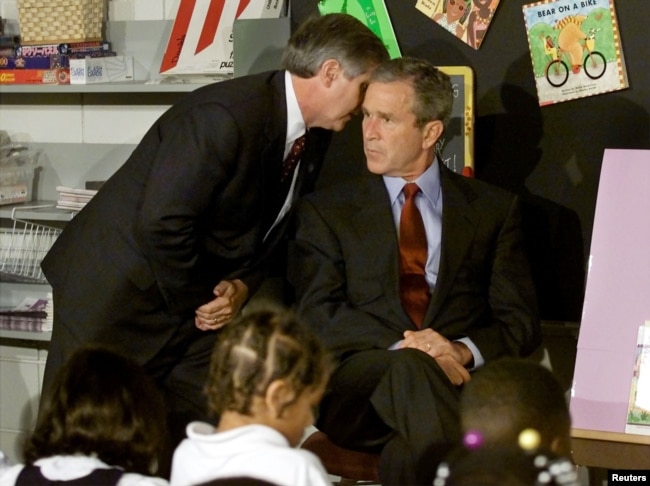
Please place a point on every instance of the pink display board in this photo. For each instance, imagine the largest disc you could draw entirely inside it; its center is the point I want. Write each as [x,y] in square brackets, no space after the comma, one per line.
[617,295]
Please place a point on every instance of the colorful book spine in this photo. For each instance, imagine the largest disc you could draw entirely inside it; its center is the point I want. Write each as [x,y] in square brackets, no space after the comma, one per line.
[84,47]
[35,76]
[53,61]
[36,62]
[65,49]
[82,55]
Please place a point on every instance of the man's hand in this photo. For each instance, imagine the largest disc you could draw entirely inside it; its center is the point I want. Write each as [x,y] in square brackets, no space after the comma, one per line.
[455,371]
[451,356]
[230,297]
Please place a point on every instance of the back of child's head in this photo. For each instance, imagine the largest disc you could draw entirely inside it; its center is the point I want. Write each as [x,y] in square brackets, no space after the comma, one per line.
[103,404]
[237,481]
[505,466]
[512,402]
[255,350]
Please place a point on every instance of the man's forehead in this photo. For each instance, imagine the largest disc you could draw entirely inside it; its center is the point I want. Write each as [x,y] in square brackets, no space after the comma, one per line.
[395,93]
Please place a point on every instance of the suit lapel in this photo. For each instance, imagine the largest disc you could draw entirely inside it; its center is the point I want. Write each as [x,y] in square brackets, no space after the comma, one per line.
[276,126]
[373,216]
[459,220]
[311,162]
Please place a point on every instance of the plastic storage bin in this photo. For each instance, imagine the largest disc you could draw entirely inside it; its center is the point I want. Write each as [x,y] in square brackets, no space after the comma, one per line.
[17,168]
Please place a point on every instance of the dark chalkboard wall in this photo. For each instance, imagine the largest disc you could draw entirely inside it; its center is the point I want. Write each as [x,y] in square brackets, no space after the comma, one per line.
[550,156]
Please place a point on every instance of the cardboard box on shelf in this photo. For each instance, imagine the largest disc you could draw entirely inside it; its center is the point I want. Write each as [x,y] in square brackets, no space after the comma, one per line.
[108,69]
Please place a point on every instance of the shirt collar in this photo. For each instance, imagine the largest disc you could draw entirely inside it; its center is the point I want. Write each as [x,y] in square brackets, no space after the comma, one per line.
[295,122]
[428,182]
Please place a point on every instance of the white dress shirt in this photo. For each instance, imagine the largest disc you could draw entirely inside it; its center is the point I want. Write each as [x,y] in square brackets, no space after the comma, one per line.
[296,127]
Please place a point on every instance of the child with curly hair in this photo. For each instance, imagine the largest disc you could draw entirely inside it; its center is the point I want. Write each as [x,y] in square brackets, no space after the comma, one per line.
[267,375]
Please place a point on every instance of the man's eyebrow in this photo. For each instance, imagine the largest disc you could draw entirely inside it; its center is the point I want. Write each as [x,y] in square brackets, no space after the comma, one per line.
[385,114]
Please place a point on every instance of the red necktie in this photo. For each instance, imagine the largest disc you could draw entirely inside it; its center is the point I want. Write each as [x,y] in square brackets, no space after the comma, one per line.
[413,286]
[293,157]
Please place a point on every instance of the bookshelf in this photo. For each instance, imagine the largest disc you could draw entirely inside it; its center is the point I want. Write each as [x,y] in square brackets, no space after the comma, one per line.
[83,133]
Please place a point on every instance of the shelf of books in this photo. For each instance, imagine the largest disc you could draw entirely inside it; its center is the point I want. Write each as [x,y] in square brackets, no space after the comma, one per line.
[127,63]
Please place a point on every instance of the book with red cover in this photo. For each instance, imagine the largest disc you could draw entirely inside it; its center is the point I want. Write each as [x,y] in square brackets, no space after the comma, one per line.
[35,76]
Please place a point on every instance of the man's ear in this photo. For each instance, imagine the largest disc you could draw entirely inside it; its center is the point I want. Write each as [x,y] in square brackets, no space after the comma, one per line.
[278,395]
[329,71]
[432,131]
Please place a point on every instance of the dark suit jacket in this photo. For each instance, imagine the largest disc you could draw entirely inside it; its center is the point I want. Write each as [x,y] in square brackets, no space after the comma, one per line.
[189,208]
[344,267]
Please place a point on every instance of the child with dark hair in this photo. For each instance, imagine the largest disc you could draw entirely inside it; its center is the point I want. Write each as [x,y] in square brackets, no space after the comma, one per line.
[102,423]
[516,429]
[512,396]
[267,375]
[506,466]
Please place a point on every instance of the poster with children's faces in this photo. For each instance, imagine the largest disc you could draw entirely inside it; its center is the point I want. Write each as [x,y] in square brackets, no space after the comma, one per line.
[468,20]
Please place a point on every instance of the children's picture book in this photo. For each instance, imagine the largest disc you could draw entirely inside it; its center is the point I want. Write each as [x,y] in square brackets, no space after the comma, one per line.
[372,13]
[638,416]
[466,19]
[575,48]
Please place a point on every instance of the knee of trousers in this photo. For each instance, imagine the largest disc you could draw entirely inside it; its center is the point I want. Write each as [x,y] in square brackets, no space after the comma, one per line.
[413,362]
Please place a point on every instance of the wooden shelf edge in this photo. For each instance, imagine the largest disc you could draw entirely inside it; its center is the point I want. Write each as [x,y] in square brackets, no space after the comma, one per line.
[610,436]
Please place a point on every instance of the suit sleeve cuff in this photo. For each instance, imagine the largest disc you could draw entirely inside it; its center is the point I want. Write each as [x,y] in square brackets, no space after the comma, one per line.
[478,357]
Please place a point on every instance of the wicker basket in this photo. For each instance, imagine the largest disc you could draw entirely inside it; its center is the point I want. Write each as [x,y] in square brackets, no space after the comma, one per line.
[60,21]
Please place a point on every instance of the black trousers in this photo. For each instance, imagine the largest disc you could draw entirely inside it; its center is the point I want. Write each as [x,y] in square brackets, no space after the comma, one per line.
[398,402]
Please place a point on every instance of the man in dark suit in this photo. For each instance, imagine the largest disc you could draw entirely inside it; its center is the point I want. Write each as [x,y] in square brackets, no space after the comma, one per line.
[181,235]
[408,330]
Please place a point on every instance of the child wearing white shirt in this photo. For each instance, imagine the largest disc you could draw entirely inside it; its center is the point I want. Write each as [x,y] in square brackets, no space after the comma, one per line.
[267,375]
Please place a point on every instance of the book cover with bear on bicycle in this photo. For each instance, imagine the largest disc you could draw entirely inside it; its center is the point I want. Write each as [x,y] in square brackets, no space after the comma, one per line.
[575,48]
